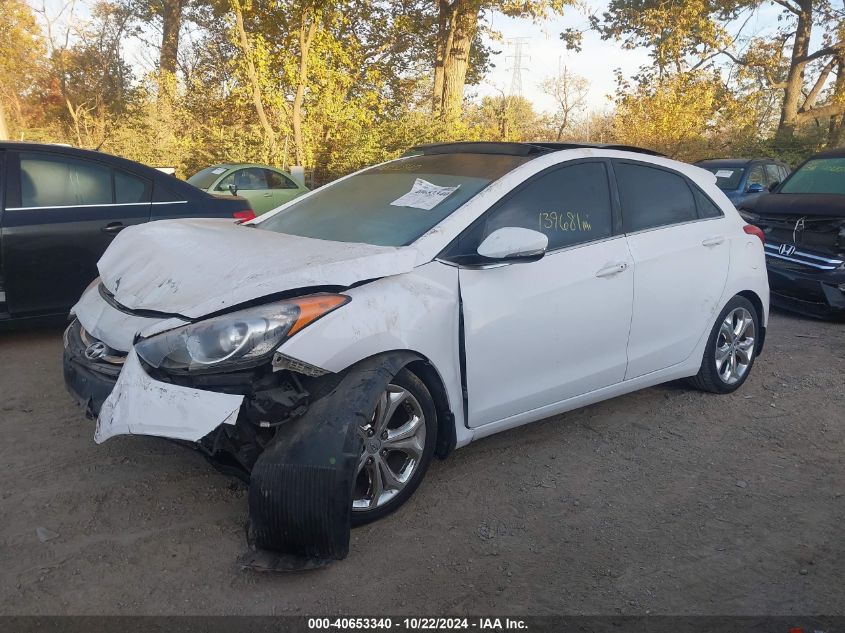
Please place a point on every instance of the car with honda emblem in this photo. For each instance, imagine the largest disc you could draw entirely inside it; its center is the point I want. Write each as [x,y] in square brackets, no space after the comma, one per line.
[803,221]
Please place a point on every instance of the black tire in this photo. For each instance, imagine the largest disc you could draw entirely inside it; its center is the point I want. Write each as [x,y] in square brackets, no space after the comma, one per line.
[409,381]
[708,378]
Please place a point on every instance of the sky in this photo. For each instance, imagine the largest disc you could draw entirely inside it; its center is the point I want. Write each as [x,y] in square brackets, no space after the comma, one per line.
[544,53]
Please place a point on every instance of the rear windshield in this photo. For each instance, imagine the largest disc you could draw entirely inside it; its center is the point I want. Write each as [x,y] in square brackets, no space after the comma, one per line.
[820,175]
[205,178]
[392,204]
[727,178]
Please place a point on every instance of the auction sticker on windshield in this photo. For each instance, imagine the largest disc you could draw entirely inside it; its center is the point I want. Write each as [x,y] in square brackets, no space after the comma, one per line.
[424,195]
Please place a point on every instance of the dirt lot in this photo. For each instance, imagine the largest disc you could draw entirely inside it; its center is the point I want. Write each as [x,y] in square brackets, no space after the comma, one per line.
[664,501]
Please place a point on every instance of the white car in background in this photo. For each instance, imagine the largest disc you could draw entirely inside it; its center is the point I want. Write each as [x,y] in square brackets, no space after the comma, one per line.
[329,349]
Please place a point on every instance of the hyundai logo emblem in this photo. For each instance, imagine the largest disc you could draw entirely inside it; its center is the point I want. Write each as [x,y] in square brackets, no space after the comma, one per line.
[96,351]
[786,249]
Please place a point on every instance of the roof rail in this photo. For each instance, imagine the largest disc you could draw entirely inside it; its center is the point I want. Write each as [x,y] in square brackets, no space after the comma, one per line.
[517,149]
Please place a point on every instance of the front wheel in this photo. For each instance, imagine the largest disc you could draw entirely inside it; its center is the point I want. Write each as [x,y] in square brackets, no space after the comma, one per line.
[398,445]
[730,352]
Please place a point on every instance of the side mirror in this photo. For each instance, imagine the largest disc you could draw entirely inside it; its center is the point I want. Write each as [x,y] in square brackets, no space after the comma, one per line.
[233,189]
[755,188]
[512,244]
[774,185]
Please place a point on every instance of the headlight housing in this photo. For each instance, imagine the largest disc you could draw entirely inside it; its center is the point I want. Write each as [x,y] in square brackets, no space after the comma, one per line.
[238,338]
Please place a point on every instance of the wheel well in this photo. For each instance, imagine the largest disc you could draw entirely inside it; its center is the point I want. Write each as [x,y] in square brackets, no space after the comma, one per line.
[758,306]
[446,435]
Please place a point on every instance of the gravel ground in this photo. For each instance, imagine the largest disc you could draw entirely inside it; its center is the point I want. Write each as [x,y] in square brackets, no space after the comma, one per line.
[666,501]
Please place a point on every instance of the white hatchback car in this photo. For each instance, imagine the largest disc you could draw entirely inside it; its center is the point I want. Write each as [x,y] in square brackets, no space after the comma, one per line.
[328,349]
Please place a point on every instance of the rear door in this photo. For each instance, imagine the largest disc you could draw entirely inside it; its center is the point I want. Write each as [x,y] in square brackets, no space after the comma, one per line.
[678,241]
[61,213]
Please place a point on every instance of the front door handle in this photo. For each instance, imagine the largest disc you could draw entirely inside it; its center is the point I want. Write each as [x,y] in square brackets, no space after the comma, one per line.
[268,194]
[612,269]
[113,227]
[713,241]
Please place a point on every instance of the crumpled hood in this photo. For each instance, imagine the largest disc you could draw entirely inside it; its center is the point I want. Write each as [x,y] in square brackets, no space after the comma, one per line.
[195,267]
[798,204]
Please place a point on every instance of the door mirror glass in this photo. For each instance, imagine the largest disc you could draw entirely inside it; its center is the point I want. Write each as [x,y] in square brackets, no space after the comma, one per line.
[514,244]
[233,189]
[756,188]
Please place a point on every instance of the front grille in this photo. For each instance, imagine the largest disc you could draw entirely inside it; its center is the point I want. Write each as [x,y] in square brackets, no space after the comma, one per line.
[788,256]
[109,355]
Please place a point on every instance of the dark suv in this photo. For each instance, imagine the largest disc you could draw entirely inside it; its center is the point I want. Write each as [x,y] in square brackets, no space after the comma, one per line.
[804,224]
[60,207]
[744,179]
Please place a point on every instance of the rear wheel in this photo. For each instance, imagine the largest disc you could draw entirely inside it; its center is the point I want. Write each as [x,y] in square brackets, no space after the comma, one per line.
[398,445]
[730,352]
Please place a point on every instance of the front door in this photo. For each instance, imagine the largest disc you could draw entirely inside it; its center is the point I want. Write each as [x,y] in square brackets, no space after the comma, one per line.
[61,214]
[539,333]
[681,253]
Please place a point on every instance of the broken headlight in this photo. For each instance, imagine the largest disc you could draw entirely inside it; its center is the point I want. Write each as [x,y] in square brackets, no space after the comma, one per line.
[240,337]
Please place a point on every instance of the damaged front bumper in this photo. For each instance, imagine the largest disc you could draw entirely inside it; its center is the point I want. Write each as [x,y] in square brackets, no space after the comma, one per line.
[300,486]
[125,400]
[812,293]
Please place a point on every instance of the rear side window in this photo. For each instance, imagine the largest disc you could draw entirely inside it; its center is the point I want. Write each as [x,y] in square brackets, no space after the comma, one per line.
[275,180]
[51,181]
[129,188]
[652,197]
[570,205]
[706,207]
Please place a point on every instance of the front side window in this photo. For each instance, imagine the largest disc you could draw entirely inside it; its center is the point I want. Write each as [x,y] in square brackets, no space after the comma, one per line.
[772,175]
[818,175]
[570,205]
[250,179]
[652,197]
[392,204]
[756,177]
[50,181]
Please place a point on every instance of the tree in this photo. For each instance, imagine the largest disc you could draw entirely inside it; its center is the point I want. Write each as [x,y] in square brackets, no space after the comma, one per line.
[570,94]
[21,55]
[693,34]
[457,29]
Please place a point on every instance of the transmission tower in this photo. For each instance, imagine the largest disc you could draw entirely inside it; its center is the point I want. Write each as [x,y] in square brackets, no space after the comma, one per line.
[518,44]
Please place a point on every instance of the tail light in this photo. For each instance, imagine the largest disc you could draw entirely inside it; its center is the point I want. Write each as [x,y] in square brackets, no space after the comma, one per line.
[244,216]
[754,230]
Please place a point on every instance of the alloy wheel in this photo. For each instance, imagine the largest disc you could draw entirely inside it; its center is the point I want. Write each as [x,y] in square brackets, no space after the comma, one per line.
[394,440]
[735,345]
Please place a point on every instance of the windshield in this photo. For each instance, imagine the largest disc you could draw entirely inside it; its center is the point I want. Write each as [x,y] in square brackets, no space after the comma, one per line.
[205,178]
[727,178]
[392,204]
[820,175]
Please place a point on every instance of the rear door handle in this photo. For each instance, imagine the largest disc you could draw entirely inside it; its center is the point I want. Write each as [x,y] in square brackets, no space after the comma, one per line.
[113,227]
[268,194]
[713,241]
[612,269]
